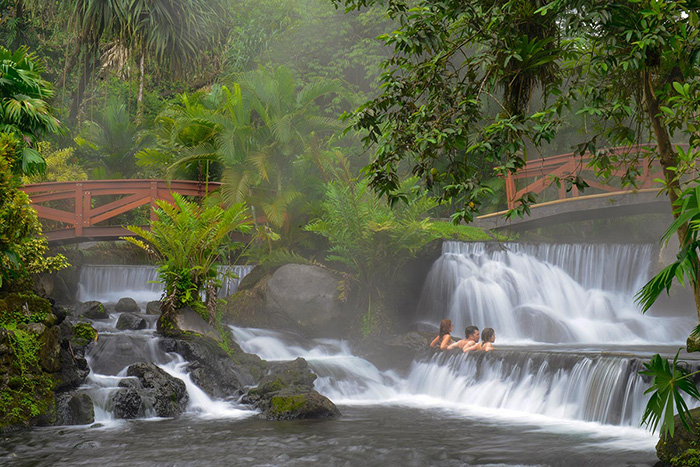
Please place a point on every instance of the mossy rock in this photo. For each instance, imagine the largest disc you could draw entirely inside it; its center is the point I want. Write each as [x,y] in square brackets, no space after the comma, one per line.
[300,406]
[683,449]
[18,308]
[83,334]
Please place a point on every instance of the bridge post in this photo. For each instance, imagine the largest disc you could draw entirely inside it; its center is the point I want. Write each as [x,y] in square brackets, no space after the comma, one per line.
[87,206]
[78,210]
[510,190]
[154,197]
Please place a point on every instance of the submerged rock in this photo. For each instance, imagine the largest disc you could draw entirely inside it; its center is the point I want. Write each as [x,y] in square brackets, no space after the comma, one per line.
[91,310]
[131,322]
[153,308]
[167,395]
[127,305]
[286,392]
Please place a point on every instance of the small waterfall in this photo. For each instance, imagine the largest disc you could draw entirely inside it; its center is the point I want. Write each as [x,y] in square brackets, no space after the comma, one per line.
[574,386]
[110,283]
[547,293]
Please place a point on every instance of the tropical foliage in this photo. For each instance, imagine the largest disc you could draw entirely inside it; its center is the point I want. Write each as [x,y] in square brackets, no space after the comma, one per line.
[22,248]
[24,109]
[189,242]
[372,241]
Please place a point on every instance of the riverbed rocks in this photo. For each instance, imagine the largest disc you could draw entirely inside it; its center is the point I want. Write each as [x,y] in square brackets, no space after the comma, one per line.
[166,394]
[127,305]
[91,310]
[293,297]
[287,392]
[223,371]
[39,367]
[131,322]
[74,408]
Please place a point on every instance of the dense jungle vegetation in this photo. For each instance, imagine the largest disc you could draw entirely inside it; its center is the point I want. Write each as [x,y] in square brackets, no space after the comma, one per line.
[248,93]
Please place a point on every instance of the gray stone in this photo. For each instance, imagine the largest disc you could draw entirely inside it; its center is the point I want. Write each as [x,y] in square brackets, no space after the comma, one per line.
[188,320]
[287,392]
[127,404]
[167,395]
[127,305]
[153,308]
[308,295]
[540,326]
[131,322]
[91,310]
[75,409]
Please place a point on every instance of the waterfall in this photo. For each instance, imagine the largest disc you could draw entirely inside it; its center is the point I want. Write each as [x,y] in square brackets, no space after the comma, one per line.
[566,385]
[547,293]
[110,283]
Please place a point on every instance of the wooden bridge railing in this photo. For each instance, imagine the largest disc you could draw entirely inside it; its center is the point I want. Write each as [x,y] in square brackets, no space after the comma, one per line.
[81,211]
[543,170]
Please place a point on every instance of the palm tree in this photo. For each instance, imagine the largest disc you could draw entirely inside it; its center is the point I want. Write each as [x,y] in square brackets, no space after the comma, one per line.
[173,33]
[25,111]
[255,132]
[111,141]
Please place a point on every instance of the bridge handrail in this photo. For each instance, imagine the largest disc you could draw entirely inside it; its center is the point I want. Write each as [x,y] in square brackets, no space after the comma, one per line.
[138,192]
[573,164]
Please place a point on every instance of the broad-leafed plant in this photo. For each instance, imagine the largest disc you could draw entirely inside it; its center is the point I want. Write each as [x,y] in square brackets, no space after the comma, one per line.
[190,241]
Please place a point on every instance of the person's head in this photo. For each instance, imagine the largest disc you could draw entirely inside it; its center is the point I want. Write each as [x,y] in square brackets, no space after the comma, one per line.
[488,335]
[445,327]
[472,333]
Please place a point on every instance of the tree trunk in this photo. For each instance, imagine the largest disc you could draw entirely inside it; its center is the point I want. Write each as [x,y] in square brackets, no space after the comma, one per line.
[139,98]
[668,159]
[87,70]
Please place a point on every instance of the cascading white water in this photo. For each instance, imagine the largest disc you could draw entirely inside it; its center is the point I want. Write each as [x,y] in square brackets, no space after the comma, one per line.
[111,282]
[547,293]
[576,386]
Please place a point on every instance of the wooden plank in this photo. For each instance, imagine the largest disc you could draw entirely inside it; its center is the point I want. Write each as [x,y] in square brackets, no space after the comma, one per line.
[115,204]
[78,209]
[52,196]
[127,207]
[45,212]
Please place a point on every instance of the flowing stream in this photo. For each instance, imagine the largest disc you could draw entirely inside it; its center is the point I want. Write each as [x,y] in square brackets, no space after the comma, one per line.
[561,389]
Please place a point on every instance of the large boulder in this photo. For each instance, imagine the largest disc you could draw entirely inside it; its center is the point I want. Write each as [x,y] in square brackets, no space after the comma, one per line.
[683,449]
[131,322]
[91,310]
[295,297]
[127,305]
[308,295]
[167,395]
[287,392]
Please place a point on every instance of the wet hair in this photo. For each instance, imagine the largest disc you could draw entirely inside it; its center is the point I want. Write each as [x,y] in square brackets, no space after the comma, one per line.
[469,330]
[445,327]
[487,334]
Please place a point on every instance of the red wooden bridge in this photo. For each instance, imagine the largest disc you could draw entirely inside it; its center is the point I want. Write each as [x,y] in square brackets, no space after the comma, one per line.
[81,211]
[601,199]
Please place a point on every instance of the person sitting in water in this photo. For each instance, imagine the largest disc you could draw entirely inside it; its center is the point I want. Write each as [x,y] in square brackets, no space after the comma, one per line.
[488,337]
[444,339]
[471,338]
